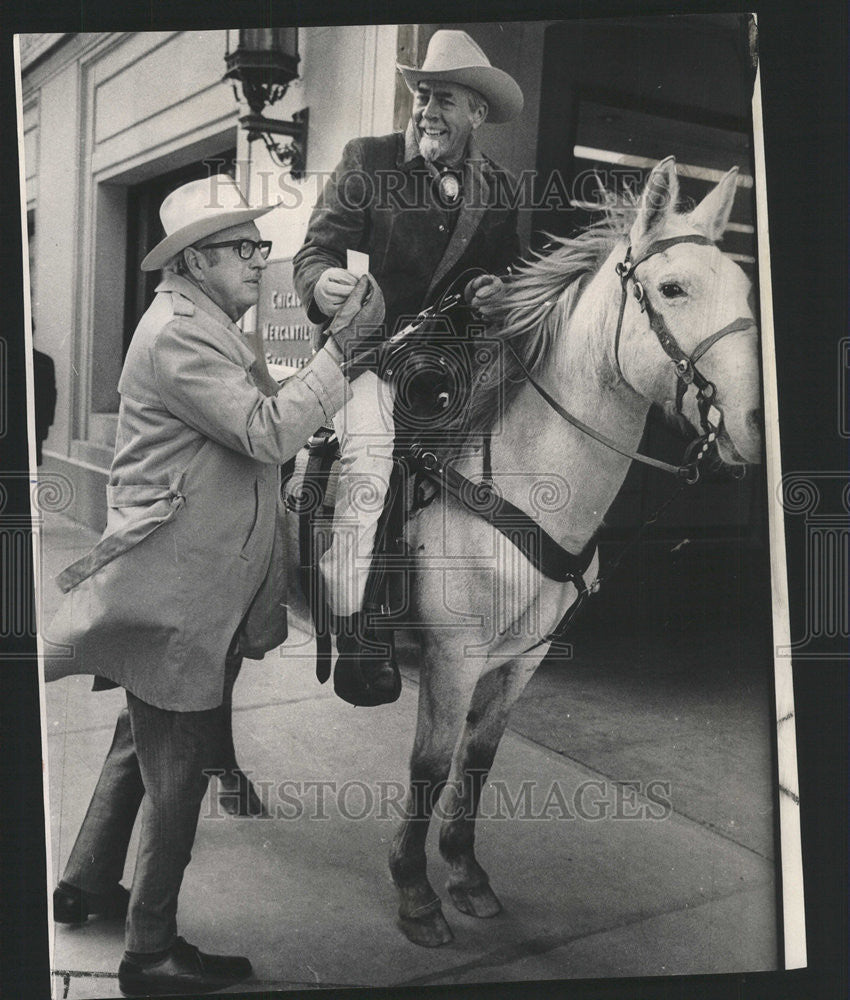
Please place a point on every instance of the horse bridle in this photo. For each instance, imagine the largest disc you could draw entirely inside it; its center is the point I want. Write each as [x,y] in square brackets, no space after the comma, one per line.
[684,365]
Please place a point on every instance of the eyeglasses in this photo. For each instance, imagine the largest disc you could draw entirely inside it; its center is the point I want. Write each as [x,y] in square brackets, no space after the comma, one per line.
[245,248]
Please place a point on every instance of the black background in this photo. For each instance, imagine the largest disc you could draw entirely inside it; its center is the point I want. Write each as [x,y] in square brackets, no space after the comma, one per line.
[804,84]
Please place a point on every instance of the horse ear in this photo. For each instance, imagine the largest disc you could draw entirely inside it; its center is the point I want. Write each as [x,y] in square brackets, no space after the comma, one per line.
[659,197]
[711,216]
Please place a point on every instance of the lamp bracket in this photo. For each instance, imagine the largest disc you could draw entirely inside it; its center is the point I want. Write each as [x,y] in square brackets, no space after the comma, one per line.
[292,155]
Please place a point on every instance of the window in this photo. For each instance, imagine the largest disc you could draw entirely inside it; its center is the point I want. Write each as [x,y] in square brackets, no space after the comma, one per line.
[621,146]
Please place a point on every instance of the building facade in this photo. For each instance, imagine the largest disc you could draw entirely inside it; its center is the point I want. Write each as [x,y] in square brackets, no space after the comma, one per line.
[113,122]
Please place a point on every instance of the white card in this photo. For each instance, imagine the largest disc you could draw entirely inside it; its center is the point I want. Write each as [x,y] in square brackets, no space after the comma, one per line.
[357,263]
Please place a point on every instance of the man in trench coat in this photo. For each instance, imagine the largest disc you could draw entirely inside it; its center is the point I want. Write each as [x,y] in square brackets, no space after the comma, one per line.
[156,607]
[425,206]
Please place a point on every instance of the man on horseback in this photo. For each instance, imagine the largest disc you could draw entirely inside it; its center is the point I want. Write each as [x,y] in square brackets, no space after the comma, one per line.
[425,206]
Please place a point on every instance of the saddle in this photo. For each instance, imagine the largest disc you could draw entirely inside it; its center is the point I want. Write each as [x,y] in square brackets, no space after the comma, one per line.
[417,479]
[432,369]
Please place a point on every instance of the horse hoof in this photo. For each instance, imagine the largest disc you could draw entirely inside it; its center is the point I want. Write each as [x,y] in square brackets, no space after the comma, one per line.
[475,900]
[430,931]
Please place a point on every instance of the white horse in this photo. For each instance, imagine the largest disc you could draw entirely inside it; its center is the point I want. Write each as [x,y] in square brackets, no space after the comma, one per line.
[585,330]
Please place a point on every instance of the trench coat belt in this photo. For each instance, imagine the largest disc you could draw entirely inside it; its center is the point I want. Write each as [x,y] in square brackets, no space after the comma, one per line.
[164,503]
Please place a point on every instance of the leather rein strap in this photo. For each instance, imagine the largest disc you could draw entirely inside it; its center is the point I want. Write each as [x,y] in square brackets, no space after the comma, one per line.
[685,471]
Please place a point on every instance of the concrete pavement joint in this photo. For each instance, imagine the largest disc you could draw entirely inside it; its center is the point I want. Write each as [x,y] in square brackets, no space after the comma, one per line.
[259,706]
[546,943]
[674,812]
[81,732]
[412,678]
[243,708]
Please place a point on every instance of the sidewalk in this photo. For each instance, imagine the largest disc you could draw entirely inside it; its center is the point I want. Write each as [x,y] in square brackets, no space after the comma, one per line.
[307,895]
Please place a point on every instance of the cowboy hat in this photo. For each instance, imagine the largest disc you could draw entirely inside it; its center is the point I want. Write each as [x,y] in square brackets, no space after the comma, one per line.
[454,57]
[198,209]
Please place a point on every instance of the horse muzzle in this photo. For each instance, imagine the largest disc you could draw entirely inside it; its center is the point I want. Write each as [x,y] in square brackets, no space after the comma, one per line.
[739,440]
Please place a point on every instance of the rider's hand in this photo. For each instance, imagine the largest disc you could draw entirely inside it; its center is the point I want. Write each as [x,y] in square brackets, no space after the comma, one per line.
[484,294]
[332,289]
[357,329]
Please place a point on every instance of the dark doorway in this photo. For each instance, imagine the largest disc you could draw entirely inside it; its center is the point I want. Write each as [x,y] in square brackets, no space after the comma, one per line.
[643,88]
[617,96]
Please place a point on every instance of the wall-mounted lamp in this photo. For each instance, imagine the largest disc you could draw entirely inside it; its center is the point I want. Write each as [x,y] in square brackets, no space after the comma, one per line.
[266,62]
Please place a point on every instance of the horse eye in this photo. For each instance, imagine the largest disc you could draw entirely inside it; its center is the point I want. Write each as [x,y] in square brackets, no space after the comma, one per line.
[670,290]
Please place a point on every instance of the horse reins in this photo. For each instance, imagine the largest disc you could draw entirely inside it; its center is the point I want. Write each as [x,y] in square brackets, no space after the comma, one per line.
[547,555]
[687,374]
[684,365]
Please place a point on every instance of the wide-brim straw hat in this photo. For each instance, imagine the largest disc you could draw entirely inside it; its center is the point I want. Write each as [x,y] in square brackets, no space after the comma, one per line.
[454,57]
[198,209]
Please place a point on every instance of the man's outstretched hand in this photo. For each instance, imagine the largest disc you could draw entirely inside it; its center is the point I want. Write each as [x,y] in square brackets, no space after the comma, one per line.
[332,289]
[357,328]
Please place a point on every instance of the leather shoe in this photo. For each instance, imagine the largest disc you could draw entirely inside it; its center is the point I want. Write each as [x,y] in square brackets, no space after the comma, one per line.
[183,970]
[73,906]
[364,674]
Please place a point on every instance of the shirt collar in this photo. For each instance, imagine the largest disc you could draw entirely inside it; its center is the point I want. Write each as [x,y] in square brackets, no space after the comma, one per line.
[172,282]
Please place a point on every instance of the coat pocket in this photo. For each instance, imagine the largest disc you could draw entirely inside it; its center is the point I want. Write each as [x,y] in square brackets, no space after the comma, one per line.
[246,547]
[264,626]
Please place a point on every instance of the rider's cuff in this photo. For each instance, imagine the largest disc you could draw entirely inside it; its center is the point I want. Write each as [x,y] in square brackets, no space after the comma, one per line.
[315,314]
[324,377]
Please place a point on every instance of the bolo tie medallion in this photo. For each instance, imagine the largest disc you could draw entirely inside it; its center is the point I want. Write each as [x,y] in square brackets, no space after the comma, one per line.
[449,188]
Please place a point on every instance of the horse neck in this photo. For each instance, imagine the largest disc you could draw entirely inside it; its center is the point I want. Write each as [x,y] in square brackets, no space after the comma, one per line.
[582,374]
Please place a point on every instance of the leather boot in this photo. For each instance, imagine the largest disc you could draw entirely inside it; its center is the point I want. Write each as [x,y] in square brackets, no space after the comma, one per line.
[366,671]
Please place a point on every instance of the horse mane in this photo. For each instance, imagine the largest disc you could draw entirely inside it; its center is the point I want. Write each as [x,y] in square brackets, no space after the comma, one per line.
[539,298]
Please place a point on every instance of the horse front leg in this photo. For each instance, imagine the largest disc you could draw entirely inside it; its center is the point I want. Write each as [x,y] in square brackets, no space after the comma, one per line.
[494,696]
[444,695]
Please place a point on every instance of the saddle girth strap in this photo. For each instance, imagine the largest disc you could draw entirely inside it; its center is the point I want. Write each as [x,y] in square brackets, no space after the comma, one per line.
[535,543]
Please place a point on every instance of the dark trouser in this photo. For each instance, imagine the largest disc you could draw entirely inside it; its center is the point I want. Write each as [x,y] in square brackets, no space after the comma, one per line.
[158,761]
